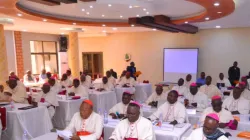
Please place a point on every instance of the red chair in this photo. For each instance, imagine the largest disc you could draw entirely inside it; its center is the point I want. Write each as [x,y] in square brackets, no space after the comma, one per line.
[27,89]
[3,117]
[37,79]
[62,92]
[29,99]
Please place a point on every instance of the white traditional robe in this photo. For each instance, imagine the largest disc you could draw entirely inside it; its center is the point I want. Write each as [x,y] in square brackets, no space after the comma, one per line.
[86,84]
[66,83]
[130,82]
[198,134]
[142,129]
[199,98]
[210,90]
[112,80]
[170,112]
[42,79]
[245,94]
[155,97]
[107,87]
[187,84]
[56,88]
[182,90]
[224,115]
[50,101]
[19,94]
[79,91]
[93,125]
[225,81]
[25,79]
[241,105]
[121,108]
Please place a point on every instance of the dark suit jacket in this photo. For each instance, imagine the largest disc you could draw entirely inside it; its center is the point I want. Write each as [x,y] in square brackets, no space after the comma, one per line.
[132,71]
[234,73]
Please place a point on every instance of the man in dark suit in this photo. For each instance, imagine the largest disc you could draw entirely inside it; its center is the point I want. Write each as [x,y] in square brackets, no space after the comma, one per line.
[234,73]
[132,69]
[113,73]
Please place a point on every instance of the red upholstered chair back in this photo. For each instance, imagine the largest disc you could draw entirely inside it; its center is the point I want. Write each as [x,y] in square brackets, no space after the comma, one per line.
[27,89]
[3,117]
[29,99]
[37,79]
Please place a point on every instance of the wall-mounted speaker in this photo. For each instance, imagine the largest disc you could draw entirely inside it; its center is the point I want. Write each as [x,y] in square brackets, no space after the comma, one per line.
[63,44]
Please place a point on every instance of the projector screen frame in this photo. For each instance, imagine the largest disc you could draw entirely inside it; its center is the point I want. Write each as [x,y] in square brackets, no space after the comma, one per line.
[182,49]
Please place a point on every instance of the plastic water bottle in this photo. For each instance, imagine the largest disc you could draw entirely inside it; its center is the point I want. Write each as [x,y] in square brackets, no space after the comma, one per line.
[25,136]
[105,117]
[12,105]
[160,120]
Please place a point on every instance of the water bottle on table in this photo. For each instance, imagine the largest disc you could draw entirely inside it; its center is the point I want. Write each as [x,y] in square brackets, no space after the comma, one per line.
[105,117]
[160,120]
[12,105]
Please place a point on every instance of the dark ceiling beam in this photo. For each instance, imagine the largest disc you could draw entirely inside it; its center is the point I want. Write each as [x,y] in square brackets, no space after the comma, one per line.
[66,1]
[47,2]
[186,28]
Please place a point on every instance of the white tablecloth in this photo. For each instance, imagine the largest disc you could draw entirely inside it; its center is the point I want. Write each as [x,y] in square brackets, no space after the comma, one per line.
[35,122]
[104,100]
[142,92]
[119,92]
[234,134]
[49,136]
[176,134]
[65,112]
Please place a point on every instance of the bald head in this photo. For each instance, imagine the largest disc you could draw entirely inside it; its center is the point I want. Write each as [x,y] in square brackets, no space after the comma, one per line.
[210,126]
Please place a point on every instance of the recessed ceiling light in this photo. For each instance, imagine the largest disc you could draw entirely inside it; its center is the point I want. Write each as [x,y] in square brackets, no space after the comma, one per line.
[19,15]
[74,23]
[104,31]
[121,16]
[114,28]
[87,13]
[62,33]
[207,18]
[24,30]
[186,22]
[144,9]
[147,13]
[103,25]
[83,10]
[218,26]
[132,25]
[136,6]
[109,5]
[154,29]
[217,4]
[90,6]
[219,12]
[44,20]
[130,6]
[103,15]
[137,15]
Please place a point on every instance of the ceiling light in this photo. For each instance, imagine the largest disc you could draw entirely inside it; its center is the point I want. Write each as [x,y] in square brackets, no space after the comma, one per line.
[218,26]
[103,25]
[90,6]
[19,15]
[154,29]
[74,23]
[104,31]
[44,20]
[83,10]
[137,15]
[109,5]
[121,16]
[219,12]
[62,33]
[114,28]
[136,6]
[132,25]
[207,18]
[144,9]
[217,4]
[103,15]
[87,13]
[130,6]
[24,30]
[147,13]
[186,22]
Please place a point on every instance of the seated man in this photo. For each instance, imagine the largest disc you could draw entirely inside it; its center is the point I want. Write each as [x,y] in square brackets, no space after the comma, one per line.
[209,89]
[188,81]
[68,72]
[225,117]
[113,73]
[122,75]
[172,111]
[43,76]
[209,131]
[158,95]
[134,127]
[18,92]
[85,123]
[181,89]
[120,109]
[127,81]
[223,81]
[105,85]
[78,90]
[4,96]
[236,104]
[244,87]
[88,77]
[48,98]
[65,81]
[29,78]
[55,87]
[111,79]
[196,99]
[201,81]
[84,82]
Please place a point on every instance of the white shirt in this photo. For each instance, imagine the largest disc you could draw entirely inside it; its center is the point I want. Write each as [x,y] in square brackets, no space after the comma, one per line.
[56,88]
[187,84]
[93,125]
[121,108]
[182,90]
[170,112]
[112,80]
[197,134]
[50,98]
[19,94]
[199,98]
[86,84]
[242,105]
[130,82]
[79,91]
[107,87]
[66,83]
[155,97]
[210,90]
[142,129]
[42,79]
[25,79]
[245,94]
[225,81]
[224,115]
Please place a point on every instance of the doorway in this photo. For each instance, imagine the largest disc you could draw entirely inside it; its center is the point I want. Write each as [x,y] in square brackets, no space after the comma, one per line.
[93,64]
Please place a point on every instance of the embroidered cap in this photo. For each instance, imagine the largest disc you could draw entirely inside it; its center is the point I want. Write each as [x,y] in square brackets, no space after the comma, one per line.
[213,116]
[88,102]
[216,97]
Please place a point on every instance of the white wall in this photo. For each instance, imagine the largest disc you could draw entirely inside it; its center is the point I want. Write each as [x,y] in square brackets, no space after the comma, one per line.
[11,51]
